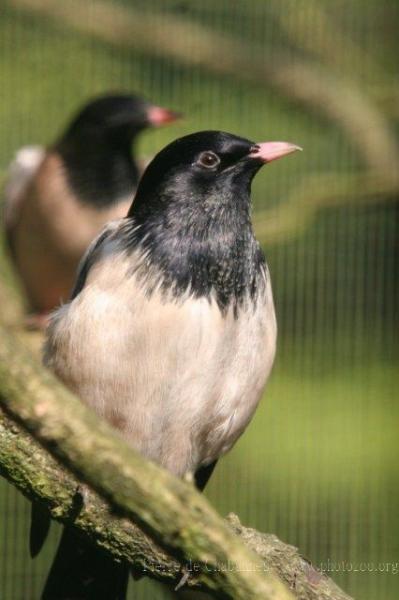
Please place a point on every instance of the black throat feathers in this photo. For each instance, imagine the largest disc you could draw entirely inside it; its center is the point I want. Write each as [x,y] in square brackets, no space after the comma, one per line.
[210,252]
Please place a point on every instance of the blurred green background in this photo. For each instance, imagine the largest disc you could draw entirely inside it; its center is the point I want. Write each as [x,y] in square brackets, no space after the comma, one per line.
[318,465]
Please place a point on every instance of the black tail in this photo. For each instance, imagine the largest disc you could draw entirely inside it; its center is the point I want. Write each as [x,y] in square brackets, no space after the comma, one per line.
[82,572]
[203,474]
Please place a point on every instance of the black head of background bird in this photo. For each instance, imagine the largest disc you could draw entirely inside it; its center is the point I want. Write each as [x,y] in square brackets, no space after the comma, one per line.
[97,147]
[193,201]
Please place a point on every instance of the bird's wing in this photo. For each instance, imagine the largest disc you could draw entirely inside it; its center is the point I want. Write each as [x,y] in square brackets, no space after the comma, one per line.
[20,173]
[40,519]
[92,253]
[202,475]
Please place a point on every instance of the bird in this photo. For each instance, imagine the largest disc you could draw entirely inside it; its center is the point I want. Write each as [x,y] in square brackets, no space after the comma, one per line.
[170,332]
[57,200]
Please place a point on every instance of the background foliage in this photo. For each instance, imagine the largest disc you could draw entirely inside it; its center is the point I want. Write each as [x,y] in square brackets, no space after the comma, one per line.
[318,464]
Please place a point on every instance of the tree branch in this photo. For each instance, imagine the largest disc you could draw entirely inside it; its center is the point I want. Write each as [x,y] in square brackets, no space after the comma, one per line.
[134,510]
[168,509]
[40,477]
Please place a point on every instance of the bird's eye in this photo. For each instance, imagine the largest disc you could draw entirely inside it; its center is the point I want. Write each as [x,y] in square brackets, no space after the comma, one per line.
[208,159]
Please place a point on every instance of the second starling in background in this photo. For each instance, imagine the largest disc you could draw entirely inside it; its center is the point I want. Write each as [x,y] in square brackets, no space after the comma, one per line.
[58,199]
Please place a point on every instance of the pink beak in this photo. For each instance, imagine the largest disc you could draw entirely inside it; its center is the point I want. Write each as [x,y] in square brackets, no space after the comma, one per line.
[157,115]
[268,151]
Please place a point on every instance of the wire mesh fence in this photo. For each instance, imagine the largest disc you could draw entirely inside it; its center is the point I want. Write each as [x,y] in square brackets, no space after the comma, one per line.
[318,464]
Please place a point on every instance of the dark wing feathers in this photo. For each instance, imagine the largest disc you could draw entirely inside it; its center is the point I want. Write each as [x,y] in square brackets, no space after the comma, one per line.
[91,255]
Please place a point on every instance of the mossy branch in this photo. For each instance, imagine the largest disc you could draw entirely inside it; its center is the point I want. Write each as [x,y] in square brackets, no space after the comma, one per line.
[40,477]
[133,509]
[170,510]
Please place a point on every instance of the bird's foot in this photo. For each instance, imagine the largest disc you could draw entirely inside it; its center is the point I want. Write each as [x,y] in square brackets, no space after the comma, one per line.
[79,500]
[184,579]
[82,491]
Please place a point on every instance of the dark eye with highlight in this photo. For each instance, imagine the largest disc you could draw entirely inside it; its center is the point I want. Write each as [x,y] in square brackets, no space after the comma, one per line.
[208,159]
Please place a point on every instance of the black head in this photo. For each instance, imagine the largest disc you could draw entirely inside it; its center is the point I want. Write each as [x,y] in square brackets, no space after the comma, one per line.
[118,116]
[192,207]
[204,171]
[97,147]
